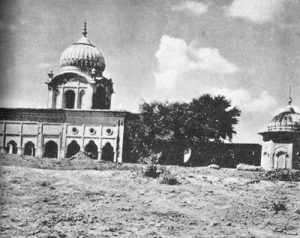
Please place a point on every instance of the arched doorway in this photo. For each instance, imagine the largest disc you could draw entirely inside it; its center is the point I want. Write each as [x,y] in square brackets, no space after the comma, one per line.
[12,147]
[99,99]
[281,158]
[29,149]
[92,148]
[69,99]
[50,149]
[107,152]
[72,149]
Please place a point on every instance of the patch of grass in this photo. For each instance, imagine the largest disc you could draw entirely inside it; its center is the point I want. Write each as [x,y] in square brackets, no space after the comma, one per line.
[151,171]
[282,175]
[151,168]
[167,178]
[44,183]
[279,206]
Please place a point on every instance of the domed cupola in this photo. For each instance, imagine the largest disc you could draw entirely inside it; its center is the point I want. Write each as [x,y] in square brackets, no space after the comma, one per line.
[281,141]
[80,84]
[83,55]
[288,121]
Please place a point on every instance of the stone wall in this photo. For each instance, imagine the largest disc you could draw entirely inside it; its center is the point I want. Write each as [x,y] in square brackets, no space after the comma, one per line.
[63,130]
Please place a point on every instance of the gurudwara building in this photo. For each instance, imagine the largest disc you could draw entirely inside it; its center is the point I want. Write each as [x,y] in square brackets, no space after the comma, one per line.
[78,117]
[281,148]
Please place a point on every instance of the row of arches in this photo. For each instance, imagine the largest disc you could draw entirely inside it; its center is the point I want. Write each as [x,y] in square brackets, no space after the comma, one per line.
[12,148]
[100,99]
[51,149]
[69,99]
[73,148]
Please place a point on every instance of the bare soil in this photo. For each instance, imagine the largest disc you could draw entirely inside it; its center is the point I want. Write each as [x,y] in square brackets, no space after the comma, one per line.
[85,198]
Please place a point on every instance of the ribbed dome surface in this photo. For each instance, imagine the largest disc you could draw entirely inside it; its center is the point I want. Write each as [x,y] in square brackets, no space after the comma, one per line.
[285,121]
[84,55]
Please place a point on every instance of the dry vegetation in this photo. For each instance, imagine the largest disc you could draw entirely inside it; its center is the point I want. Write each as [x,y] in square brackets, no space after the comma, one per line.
[84,198]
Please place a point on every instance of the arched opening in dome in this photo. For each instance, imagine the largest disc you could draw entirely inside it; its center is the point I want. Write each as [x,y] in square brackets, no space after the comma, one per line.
[80,99]
[69,99]
[92,148]
[12,147]
[51,149]
[99,99]
[73,149]
[29,149]
[107,152]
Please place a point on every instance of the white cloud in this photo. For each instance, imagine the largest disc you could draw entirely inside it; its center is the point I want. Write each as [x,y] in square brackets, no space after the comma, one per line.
[247,102]
[258,11]
[175,57]
[196,8]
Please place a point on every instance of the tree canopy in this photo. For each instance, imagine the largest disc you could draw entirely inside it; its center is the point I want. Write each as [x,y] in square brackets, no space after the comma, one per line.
[162,126]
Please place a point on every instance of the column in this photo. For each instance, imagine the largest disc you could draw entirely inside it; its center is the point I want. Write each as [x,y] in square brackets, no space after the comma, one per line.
[63,138]
[39,142]
[121,140]
[50,98]
[100,143]
[20,151]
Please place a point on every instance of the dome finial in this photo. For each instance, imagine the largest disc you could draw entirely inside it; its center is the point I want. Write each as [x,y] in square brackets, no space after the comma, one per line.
[84,29]
[290,97]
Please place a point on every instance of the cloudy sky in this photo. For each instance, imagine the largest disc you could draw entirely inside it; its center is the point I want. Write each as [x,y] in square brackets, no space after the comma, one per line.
[247,50]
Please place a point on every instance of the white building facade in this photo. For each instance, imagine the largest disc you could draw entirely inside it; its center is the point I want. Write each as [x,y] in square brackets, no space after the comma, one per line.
[78,117]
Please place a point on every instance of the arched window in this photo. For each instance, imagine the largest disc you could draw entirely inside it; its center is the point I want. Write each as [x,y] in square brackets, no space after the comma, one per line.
[92,148]
[50,149]
[69,99]
[29,149]
[99,99]
[80,99]
[72,149]
[12,147]
[107,152]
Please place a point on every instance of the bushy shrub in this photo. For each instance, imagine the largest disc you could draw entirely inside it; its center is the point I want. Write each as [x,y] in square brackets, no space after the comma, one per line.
[151,168]
[167,178]
[279,206]
[151,171]
[282,175]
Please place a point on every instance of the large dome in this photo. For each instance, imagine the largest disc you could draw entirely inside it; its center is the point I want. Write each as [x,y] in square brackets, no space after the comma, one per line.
[288,120]
[83,55]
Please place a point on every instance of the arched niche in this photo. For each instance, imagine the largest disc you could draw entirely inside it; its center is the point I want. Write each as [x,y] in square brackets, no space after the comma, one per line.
[69,99]
[50,149]
[107,152]
[29,149]
[281,158]
[12,147]
[72,149]
[99,98]
[92,148]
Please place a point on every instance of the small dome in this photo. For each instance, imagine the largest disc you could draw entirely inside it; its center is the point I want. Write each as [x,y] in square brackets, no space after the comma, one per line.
[288,120]
[84,55]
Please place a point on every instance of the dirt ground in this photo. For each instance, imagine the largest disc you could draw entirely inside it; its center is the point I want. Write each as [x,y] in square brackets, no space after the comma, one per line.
[50,198]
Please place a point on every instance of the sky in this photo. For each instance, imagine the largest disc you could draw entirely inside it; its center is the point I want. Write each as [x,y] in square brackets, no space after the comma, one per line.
[174,50]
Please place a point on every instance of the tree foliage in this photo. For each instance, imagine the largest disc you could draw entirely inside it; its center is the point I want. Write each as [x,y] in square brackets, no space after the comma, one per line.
[172,127]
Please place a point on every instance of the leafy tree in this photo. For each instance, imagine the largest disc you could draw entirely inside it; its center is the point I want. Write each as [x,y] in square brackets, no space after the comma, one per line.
[171,128]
